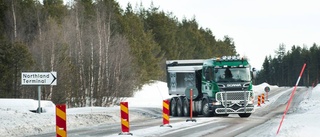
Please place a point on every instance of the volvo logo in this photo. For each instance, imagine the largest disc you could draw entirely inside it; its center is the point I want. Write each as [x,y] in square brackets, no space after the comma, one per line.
[233,85]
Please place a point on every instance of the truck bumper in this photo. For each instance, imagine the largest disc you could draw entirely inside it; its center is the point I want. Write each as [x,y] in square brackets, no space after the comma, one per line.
[234,109]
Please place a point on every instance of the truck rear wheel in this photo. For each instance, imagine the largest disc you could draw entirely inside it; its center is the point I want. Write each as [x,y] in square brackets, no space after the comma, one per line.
[244,115]
[180,106]
[173,107]
[186,107]
[205,109]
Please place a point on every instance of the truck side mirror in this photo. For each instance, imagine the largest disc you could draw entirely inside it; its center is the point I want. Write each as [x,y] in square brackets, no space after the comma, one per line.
[254,73]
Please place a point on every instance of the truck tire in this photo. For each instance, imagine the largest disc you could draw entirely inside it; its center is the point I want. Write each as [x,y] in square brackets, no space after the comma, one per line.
[180,106]
[244,115]
[205,109]
[186,107]
[173,107]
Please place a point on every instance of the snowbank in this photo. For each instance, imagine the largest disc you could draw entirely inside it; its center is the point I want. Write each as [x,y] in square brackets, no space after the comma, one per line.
[303,122]
[259,89]
[26,105]
[151,95]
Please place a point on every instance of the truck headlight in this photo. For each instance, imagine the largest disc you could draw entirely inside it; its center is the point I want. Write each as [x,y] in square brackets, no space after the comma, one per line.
[216,103]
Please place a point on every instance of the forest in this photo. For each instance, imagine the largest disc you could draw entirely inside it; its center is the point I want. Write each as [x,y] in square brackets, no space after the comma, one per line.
[102,52]
[284,68]
[99,51]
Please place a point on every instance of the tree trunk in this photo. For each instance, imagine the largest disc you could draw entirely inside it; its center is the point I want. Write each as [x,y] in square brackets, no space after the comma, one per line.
[80,61]
[39,26]
[14,22]
[52,65]
[92,77]
[99,89]
[107,44]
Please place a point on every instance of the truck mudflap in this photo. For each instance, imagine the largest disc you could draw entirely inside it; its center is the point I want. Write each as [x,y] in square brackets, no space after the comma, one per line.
[234,102]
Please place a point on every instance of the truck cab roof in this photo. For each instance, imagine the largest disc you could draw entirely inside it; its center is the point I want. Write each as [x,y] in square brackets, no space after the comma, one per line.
[223,63]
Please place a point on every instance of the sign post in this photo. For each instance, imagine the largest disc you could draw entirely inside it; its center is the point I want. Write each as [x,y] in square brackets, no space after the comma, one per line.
[38,79]
[39,99]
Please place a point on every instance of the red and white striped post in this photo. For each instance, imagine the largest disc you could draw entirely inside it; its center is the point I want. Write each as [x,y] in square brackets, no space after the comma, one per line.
[165,113]
[291,97]
[124,119]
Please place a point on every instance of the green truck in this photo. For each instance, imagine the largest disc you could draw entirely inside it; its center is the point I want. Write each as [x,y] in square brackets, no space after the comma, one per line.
[219,86]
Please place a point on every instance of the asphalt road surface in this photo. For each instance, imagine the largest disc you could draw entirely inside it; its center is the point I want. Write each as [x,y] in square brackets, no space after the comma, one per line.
[231,126]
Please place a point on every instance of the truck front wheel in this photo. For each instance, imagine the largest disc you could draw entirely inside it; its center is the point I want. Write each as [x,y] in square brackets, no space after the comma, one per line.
[205,109]
[244,115]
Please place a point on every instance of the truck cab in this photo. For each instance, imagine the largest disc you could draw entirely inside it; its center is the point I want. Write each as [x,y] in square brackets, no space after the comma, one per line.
[227,83]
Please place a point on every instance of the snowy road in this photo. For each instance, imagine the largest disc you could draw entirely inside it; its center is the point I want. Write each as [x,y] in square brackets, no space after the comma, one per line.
[232,125]
[301,120]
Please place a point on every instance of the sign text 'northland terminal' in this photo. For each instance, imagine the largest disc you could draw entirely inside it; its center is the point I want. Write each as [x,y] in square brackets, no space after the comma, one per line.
[39,78]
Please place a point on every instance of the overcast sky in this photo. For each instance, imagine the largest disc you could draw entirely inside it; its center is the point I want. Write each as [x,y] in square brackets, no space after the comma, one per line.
[257,27]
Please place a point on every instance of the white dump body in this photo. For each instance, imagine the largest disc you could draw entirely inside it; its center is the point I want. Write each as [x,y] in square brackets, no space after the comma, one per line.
[182,74]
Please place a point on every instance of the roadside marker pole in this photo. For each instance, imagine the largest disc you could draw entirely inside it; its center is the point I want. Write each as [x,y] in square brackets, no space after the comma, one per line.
[307,92]
[165,114]
[193,120]
[291,97]
[61,124]
[259,101]
[267,90]
[262,99]
[124,119]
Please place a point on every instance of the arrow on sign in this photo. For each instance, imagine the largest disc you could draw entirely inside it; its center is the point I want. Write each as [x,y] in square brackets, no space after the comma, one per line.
[39,78]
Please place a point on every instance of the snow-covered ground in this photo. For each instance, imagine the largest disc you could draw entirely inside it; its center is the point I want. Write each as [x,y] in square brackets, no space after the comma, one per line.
[303,122]
[17,120]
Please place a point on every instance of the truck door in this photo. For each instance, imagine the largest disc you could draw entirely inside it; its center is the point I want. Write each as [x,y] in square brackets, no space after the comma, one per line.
[208,80]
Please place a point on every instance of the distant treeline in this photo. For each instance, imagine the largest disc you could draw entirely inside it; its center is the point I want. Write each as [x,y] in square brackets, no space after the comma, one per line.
[99,51]
[285,67]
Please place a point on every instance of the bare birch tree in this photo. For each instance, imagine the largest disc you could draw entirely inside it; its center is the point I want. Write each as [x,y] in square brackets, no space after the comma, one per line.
[14,21]
[80,59]
[99,30]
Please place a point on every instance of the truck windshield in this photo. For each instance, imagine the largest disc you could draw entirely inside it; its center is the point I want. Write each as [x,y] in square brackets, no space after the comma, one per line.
[232,74]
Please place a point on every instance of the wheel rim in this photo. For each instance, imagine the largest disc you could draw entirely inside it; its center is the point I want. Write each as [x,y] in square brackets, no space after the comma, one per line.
[205,109]
[185,108]
[179,108]
[173,107]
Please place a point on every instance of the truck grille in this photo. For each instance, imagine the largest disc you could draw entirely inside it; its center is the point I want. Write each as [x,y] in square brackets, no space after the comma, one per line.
[234,102]
[233,96]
